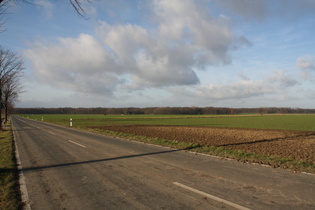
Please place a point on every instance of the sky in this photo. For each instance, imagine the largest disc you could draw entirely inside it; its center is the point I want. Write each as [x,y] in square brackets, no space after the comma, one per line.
[177,53]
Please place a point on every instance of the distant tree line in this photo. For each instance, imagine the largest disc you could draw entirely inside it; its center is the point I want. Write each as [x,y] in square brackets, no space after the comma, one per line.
[164,110]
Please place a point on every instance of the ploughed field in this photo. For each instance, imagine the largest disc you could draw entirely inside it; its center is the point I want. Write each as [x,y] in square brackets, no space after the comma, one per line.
[298,145]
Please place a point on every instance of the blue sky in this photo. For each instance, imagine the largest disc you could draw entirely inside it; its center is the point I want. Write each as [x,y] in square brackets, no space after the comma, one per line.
[145,53]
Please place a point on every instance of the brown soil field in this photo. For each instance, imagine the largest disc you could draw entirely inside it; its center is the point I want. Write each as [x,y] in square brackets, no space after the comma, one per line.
[299,145]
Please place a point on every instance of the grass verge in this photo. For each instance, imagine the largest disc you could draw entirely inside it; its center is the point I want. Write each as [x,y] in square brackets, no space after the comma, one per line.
[239,155]
[9,186]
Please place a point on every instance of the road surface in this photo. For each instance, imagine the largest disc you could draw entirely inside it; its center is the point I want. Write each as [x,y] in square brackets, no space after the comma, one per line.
[64,168]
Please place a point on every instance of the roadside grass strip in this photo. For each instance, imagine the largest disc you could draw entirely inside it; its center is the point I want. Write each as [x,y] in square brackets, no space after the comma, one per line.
[9,186]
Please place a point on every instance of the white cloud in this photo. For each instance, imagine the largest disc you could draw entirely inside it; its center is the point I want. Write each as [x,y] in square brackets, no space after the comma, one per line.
[306,62]
[275,84]
[282,79]
[307,76]
[76,64]
[245,8]
[187,22]
[185,38]
[236,90]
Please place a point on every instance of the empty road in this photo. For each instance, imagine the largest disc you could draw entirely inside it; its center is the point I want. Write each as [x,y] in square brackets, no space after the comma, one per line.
[65,168]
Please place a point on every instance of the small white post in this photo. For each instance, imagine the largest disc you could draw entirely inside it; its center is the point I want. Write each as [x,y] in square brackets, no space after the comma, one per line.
[70,122]
[42,119]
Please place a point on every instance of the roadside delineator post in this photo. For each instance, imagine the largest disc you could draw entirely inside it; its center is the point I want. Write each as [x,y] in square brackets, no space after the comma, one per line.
[70,122]
[42,119]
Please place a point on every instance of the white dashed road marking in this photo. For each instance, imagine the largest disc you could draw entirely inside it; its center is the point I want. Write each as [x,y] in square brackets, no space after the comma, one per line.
[73,142]
[211,196]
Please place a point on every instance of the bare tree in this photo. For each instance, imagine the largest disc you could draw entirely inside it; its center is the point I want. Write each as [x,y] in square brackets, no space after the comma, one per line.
[10,93]
[11,66]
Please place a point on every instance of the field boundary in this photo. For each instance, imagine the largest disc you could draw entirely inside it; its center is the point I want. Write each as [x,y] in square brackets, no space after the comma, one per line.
[220,152]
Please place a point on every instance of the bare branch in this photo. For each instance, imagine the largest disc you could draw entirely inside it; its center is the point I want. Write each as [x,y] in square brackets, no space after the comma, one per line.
[4,5]
[77,5]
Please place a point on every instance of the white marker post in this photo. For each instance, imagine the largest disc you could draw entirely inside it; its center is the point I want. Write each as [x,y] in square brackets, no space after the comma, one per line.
[42,119]
[70,122]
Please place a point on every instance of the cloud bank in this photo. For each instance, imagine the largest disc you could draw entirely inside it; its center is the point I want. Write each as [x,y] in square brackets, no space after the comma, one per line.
[185,39]
[166,52]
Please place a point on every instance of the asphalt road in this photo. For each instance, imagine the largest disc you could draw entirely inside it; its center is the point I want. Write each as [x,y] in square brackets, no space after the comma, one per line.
[68,169]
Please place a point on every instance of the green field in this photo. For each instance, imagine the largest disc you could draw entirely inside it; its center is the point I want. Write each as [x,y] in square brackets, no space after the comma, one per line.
[305,122]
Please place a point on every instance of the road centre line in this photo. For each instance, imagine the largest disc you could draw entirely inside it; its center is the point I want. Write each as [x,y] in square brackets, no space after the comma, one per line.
[211,196]
[73,142]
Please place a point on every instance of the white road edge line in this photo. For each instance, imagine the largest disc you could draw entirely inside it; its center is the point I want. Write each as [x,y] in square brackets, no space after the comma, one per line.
[23,189]
[211,196]
[73,142]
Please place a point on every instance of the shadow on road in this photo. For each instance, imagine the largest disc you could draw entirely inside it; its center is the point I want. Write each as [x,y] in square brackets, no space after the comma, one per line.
[106,159]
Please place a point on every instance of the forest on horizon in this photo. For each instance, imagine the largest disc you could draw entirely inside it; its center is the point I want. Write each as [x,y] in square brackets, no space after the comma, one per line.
[164,110]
